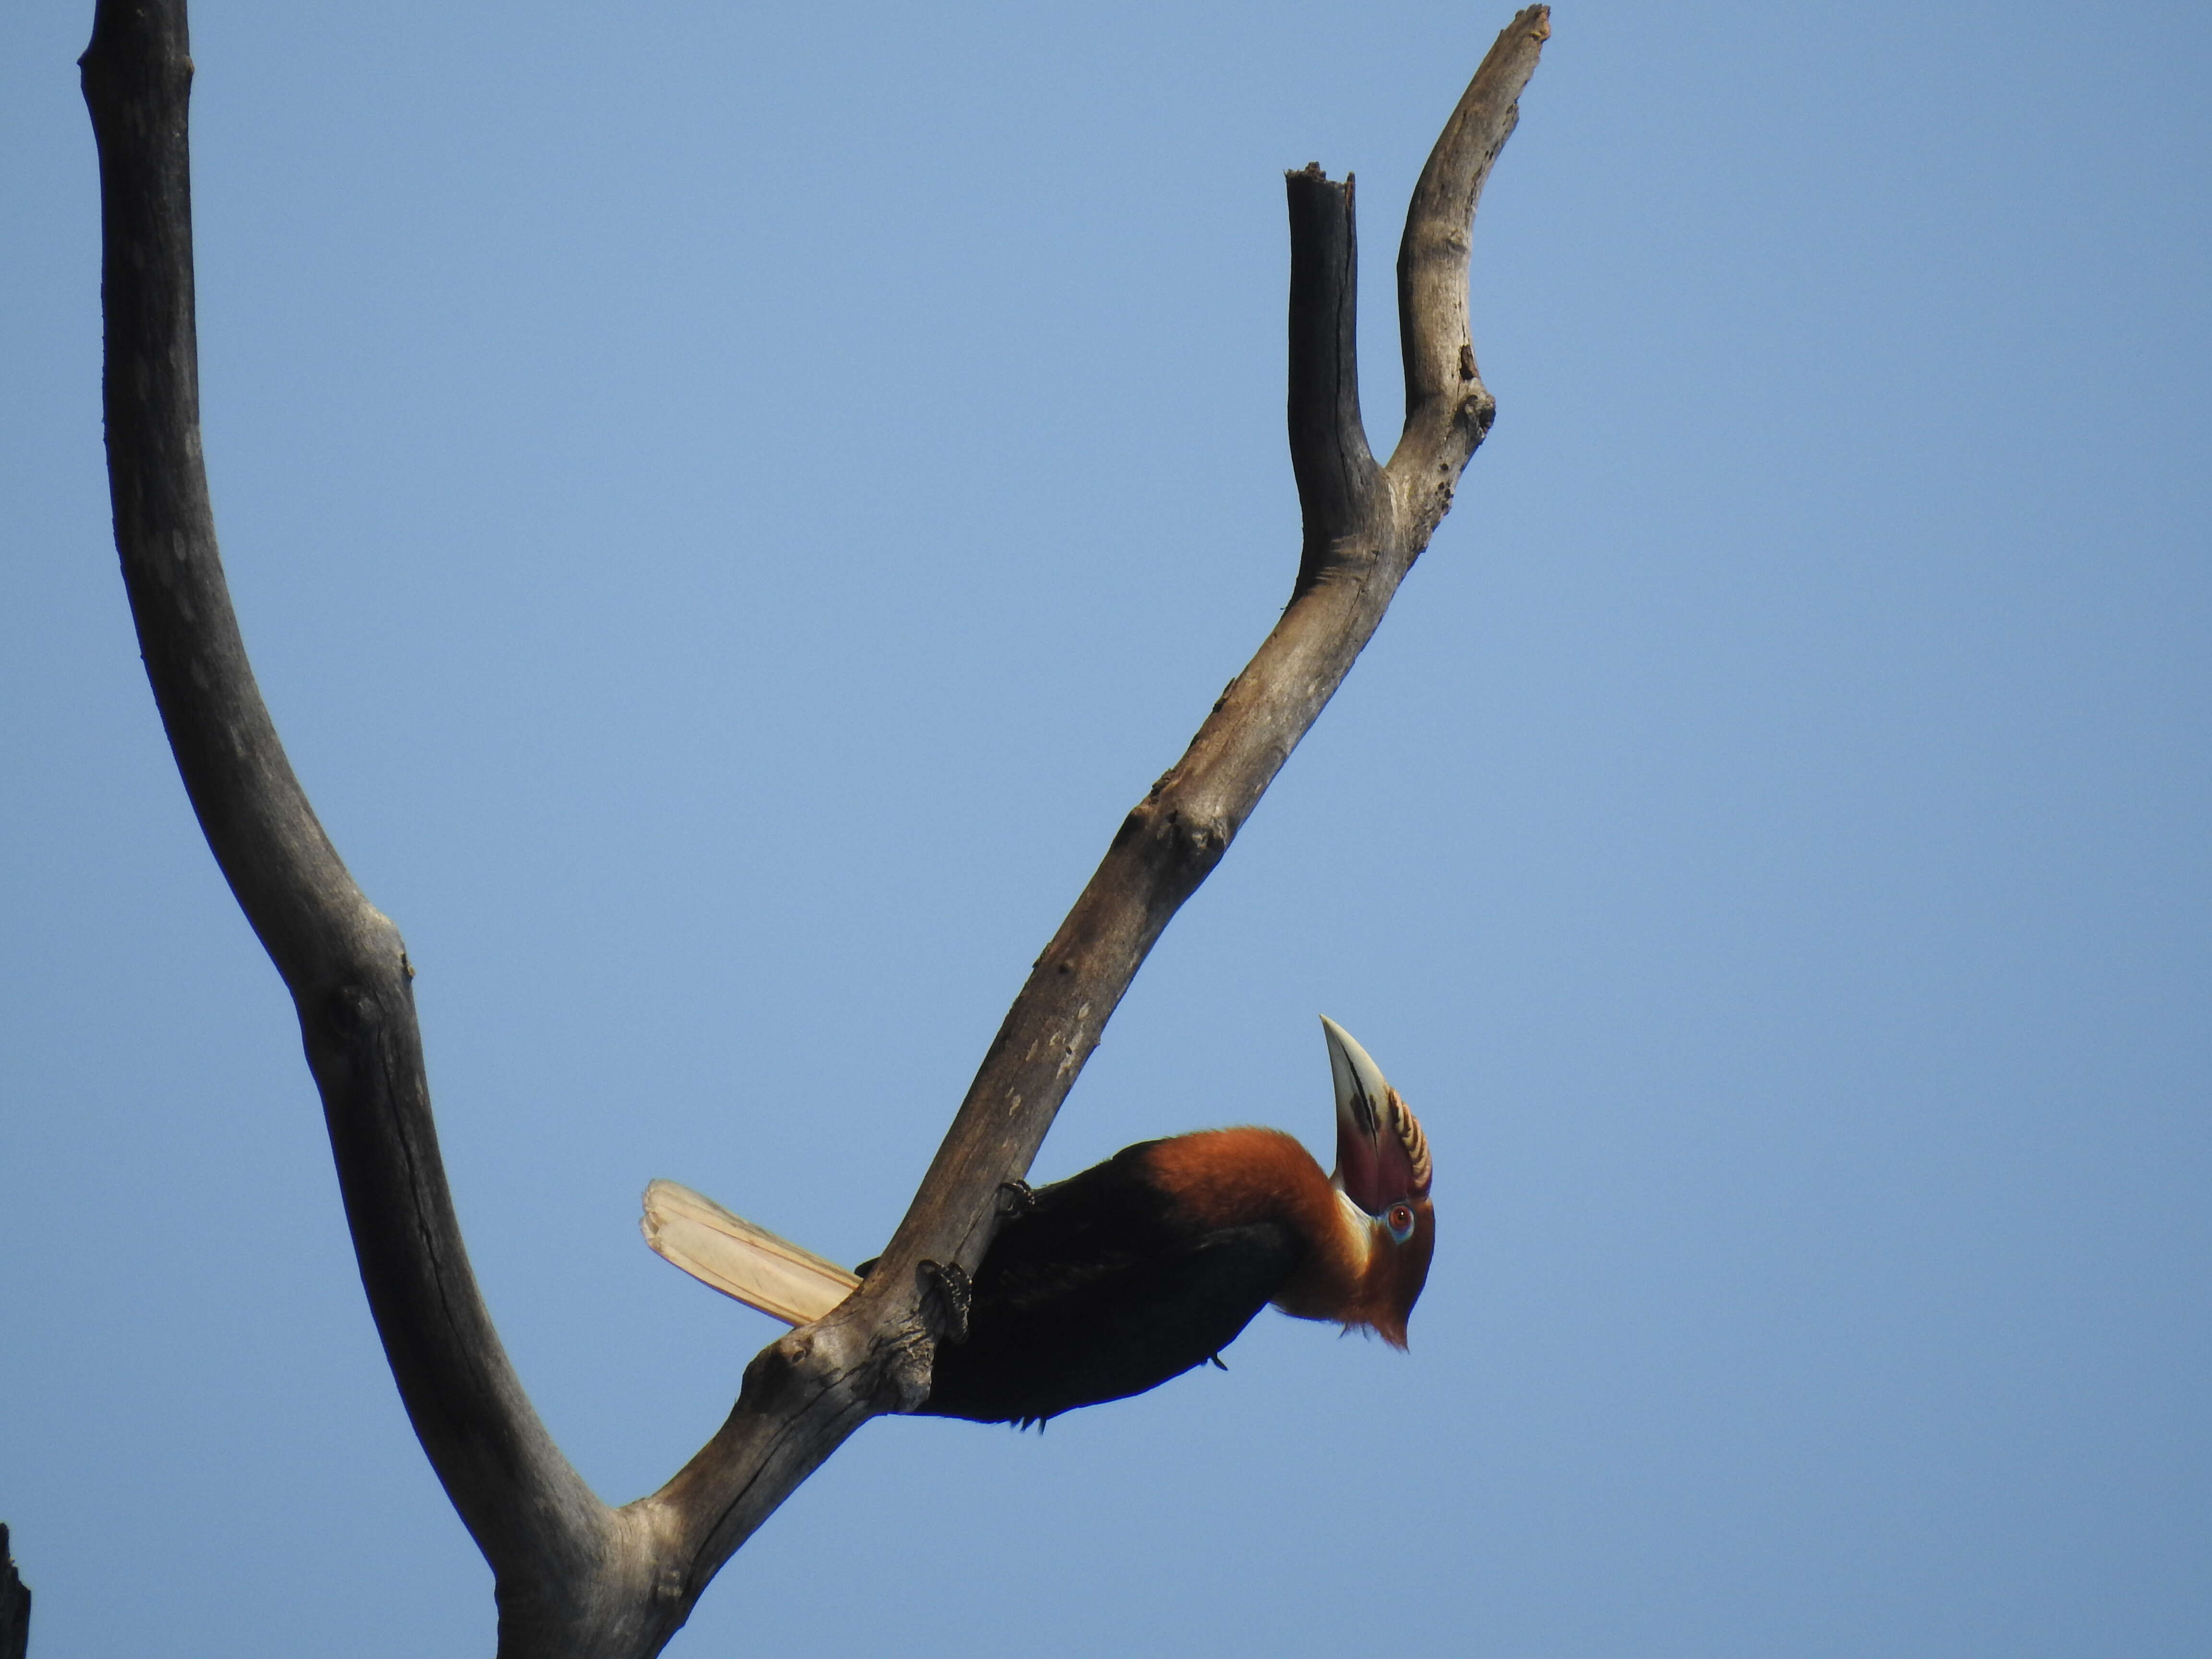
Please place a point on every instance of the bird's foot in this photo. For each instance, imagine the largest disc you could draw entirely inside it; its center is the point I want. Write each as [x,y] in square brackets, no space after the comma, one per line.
[1016,1197]
[954,1295]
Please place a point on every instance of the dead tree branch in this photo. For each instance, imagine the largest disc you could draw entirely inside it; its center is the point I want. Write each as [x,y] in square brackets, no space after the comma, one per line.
[575,1578]
[1365,526]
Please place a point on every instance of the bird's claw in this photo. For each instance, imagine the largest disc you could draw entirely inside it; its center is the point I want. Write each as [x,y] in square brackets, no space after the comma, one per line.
[1016,1197]
[954,1295]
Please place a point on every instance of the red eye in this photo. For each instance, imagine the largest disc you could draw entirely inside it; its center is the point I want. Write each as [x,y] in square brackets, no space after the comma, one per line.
[1401,1221]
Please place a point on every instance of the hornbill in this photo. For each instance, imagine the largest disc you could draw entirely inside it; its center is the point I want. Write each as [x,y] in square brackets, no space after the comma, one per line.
[1112,1281]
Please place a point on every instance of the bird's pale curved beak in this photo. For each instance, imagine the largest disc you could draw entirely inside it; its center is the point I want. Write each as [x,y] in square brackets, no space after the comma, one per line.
[1372,1168]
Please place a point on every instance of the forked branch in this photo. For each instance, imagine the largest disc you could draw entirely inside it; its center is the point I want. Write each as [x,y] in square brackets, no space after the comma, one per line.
[576,1577]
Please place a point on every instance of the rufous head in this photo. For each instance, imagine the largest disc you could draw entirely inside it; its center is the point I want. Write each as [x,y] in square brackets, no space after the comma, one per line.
[1382,1167]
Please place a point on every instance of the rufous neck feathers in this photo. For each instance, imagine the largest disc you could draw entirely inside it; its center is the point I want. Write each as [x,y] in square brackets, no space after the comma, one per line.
[1354,1271]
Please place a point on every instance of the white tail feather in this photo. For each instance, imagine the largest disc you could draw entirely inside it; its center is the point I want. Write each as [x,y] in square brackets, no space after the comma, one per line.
[740,1260]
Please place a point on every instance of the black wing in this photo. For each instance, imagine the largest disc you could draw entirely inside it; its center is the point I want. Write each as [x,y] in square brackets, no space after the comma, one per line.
[1100,1291]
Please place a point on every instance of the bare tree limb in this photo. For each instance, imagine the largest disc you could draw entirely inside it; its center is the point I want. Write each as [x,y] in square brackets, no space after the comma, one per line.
[1448,409]
[15,1604]
[575,1578]
[1337,477]
[1360,539]
[341,960]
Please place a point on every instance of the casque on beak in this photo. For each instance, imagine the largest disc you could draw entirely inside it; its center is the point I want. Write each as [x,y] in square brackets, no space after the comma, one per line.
[1374,1166]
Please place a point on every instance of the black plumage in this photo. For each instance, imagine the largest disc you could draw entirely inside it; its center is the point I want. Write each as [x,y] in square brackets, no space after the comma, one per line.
[1139,1269]
[1099,1288]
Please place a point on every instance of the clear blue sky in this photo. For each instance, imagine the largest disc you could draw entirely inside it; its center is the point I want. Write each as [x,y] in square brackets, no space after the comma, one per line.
[730,504]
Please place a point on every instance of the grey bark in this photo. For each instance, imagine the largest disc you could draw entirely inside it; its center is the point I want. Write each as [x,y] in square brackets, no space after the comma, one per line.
[575,1578]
